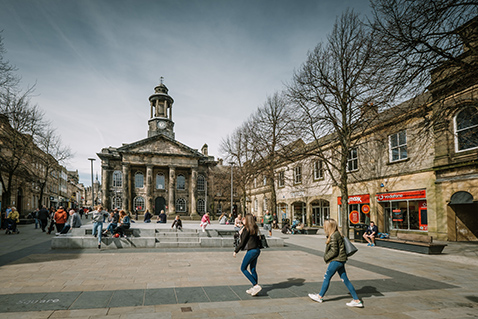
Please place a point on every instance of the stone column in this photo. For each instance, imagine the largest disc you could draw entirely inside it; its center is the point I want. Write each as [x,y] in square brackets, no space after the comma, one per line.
[126,192]
[106,185]
[172,184]
[192,191]
[149,188]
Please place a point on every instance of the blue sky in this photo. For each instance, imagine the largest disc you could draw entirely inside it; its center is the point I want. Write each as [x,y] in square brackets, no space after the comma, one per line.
[96,62]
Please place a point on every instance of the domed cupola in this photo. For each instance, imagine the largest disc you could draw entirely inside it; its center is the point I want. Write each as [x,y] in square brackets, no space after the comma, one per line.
[161,121]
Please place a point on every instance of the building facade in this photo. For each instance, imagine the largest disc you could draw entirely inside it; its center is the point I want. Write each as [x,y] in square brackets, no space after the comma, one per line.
[158,172]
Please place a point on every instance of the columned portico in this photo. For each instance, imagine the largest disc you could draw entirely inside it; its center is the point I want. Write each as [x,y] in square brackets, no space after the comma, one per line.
[172,182]
[106,174]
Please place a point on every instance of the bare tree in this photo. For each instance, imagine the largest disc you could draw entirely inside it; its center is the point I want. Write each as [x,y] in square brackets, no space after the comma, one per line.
[427,41]
[21,124]
[339,91]
[8,78]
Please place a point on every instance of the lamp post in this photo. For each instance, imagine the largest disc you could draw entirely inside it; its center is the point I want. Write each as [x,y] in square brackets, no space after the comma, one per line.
[92,189]
[232,164]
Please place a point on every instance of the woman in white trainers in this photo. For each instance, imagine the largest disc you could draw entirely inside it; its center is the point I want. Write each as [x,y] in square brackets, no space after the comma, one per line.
[336,257]
[250,242]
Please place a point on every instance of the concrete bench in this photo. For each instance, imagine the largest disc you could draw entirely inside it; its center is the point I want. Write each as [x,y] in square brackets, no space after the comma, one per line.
[417,243]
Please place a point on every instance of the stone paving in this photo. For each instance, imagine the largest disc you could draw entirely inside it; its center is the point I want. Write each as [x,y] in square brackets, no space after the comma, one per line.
[37,282]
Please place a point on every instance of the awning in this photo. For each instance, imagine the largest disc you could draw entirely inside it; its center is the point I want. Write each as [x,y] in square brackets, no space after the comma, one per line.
[461,197]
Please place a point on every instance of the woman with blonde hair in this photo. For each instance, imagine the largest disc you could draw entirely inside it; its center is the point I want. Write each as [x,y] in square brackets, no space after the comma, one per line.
[336,257]
[250,241]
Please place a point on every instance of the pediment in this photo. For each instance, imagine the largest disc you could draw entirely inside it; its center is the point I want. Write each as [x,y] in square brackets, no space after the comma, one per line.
[159,145]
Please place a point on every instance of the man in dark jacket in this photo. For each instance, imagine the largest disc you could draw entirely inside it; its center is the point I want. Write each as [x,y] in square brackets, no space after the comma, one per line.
[43,216]
[370,234]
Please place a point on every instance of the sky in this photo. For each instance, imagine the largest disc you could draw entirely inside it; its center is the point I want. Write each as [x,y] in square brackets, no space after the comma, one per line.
[94,63]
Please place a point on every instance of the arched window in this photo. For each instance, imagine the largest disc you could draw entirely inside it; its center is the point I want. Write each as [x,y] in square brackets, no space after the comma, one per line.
[117,202]
[201,183]
[181,205]
[160,181]
[139,204]
[201,206]
[466,129]
[117,179]
[181,182]
[139,180]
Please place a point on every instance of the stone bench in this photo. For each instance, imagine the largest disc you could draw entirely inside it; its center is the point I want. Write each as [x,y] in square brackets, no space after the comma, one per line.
[417,243]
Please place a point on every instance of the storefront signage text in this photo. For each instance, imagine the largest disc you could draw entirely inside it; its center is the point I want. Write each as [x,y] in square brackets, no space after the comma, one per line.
[385,197]
[356,199]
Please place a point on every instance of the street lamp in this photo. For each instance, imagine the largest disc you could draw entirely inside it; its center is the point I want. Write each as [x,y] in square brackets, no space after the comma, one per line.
[232,164]
[92,189]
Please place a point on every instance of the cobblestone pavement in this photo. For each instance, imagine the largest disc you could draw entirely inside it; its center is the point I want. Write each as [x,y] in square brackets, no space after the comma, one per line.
[37,282]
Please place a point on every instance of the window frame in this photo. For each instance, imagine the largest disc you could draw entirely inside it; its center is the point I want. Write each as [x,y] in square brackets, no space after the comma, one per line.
[136,175]
[117,179]
[281,179]
[318,170]
[398,146]
[201,205]
[164,181]
[135,203]
[201,183]
[298,174]
[177,182]
[456,131]
[179,202]
[352,160]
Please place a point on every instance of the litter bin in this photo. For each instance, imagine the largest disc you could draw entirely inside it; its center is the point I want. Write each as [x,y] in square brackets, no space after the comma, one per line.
[359,230]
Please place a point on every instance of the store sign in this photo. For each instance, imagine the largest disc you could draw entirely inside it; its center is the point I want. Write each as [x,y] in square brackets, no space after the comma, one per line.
[356,199]
[354,217]
[365,209]
[396,196]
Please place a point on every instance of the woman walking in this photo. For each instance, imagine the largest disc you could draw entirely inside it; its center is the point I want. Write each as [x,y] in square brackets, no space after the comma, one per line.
[249,235]
[336,257]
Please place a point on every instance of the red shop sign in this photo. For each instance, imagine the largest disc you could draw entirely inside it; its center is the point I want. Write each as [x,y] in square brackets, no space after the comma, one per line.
[354,217]
[365,209]
[385,197]
[356,199]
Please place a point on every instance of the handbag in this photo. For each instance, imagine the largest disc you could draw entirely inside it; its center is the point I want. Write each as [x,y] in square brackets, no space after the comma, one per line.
[350,249]
[263,242]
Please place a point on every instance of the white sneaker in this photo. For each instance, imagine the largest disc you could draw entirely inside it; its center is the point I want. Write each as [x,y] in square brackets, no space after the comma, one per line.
[315,297]
[250,290]
[354,303]
[255,290]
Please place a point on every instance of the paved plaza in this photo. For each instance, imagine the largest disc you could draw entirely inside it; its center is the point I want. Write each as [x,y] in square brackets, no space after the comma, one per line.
[37,282]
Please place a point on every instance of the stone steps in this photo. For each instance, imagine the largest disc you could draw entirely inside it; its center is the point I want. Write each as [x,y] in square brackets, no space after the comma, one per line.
[81,238]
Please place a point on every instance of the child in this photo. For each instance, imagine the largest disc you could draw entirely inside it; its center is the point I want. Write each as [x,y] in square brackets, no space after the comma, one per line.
[205,221]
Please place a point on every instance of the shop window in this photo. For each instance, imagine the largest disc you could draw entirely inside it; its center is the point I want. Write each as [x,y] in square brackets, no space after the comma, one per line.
[466,129]
[352,160]
[139,204]
[160,181]
[398,146]
[181,205]
[117,179]
[201,183]
[139,180]
[181,182]
[298,175]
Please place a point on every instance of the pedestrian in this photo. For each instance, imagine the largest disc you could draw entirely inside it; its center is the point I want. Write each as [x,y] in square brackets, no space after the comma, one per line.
[43,216]
[37,220]
[162,218]
[268,222]
[125,223]
[336,257]
[74,222]
[97,216]
[81,211]
[177,223]
[114,216]
[238,223]
[249,241]
[205,221]
[275,222]
[147,216]
[370,234]
[60,218]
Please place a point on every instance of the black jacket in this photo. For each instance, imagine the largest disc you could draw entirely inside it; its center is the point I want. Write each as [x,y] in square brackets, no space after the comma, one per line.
[248,241]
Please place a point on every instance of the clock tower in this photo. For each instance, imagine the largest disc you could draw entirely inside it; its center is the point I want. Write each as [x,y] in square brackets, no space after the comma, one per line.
[161,121]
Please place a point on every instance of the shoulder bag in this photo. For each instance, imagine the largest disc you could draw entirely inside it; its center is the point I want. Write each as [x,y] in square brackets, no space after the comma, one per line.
[350,249]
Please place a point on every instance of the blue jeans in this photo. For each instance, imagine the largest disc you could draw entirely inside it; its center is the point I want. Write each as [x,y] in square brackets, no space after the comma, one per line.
[111,227]
[250,259]
[337,266]
[98,226]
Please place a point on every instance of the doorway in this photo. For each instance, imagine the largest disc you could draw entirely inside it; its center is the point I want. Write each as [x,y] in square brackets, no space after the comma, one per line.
[159,205]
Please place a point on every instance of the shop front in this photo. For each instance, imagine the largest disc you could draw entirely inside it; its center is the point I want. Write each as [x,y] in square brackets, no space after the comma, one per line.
[359,209]
[404,210]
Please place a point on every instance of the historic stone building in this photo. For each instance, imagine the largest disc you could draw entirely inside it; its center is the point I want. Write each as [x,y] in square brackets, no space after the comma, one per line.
[404,175]
[157,173]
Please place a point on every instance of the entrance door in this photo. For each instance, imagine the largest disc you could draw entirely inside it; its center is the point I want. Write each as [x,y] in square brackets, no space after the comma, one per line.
[159,205]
